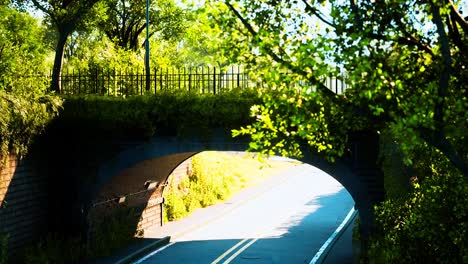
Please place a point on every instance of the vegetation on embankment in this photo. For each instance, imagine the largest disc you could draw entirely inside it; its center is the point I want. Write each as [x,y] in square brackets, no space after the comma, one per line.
[174,113]
[22,118]
[25,106]
[216,176]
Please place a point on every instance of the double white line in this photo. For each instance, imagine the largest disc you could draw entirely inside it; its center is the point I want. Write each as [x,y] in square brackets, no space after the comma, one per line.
[233,256]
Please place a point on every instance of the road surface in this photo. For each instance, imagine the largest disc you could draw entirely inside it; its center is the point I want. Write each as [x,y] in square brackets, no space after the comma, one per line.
[286,219]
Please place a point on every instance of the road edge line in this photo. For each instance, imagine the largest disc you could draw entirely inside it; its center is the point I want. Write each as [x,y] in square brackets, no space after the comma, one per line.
[144,250]
[326,247]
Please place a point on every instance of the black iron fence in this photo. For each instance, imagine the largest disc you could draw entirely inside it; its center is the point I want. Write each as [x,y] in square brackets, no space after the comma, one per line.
[134,82]
[118,82]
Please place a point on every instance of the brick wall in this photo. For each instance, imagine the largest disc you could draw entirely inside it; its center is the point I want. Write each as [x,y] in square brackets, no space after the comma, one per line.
[152,214]
[23,202]
[183,170]
[147,205]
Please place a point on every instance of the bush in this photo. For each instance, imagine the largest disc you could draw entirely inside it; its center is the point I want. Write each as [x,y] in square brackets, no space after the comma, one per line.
[22,118]
[430,224]
[101,117]
[216,176]
[112,233]
[207,185]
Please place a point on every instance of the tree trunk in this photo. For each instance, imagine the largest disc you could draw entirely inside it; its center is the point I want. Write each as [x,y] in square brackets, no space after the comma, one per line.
[59,51]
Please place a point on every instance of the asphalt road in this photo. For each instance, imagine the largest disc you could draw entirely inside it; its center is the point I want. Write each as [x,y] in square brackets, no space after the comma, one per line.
[286,219]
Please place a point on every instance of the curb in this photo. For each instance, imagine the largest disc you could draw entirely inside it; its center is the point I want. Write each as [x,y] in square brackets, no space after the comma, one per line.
[144,250]
[328,245]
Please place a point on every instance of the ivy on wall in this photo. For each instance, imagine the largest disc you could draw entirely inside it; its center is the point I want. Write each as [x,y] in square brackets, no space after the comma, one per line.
[22,117]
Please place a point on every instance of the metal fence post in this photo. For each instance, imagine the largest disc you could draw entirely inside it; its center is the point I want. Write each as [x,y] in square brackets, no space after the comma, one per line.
[214,80]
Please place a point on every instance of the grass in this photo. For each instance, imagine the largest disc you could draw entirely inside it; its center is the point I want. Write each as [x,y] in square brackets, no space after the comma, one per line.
[216,176]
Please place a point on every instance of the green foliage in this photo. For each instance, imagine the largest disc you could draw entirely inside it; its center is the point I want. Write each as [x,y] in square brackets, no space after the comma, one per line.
[22,52]
[112,233]
[201,44]
[174,206]
[55,249]
[144,116]
[125,23]
[429,226]
[25,109]
[215,177]
[400,75]
[405,66]
[22,117]
[208,184]
[179,37]
[92,52]
[66,17]
[288,118]
[396,173]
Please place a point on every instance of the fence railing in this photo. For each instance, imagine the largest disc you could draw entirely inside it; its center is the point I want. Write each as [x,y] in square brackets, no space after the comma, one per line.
[200,80]
[133,82]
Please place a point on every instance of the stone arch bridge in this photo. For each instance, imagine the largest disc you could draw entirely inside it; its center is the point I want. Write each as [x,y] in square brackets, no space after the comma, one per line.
[136,175]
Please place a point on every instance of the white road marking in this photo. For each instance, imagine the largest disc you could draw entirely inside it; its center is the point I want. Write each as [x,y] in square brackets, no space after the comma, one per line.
[332,237]
[229,251]
[153,253]
[240,251]
[318,188]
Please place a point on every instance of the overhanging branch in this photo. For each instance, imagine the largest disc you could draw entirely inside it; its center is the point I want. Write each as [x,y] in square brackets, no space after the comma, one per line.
[438,140]
[314,11]
[314,80]
[45,10]
[444,79]
[458,17]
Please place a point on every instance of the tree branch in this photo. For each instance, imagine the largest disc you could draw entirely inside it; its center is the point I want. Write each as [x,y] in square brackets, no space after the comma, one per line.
[444,79]
[317,13]
[455,35]
[357,17]
[407,40]
[320,86]
[458,17]
[412,40]
[45,10]
[436,137]
[438,140]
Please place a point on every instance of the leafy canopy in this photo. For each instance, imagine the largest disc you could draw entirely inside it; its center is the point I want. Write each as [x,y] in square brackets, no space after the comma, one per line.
[22,52]
[404,63]
[126,21]
[25,108]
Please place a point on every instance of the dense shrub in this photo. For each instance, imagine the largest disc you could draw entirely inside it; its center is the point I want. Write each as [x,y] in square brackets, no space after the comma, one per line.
[429,224]
[208,184]
[163,113]
[22,117]
[215,177]
[112,233]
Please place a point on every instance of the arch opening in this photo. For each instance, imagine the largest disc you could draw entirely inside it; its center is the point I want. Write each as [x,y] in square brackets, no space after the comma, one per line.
[344,171]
